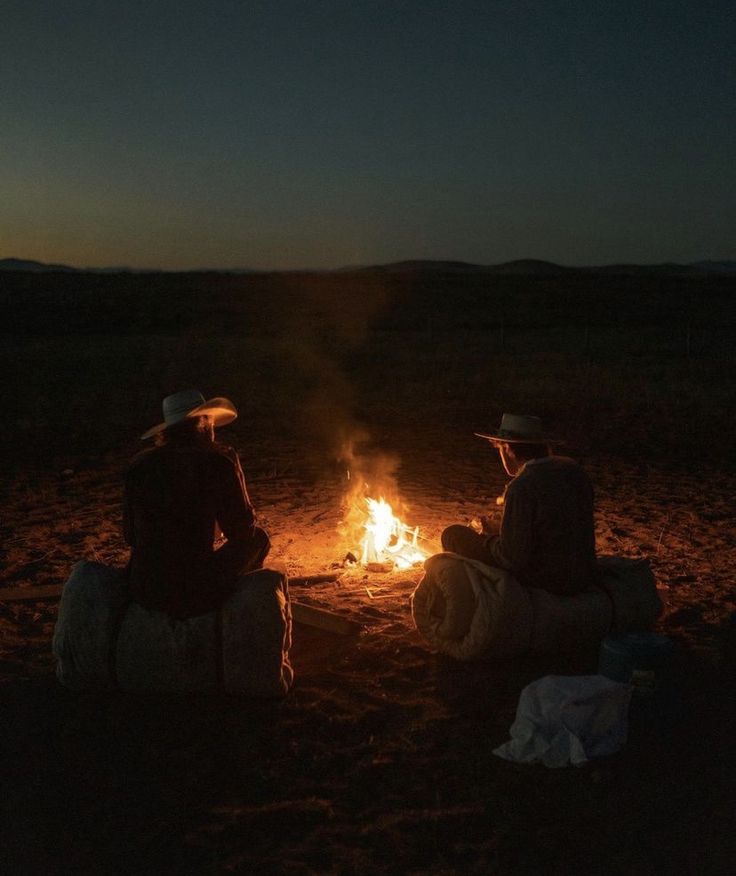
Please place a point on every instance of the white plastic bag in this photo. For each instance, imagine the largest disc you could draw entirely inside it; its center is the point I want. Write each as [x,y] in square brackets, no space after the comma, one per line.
[567,720]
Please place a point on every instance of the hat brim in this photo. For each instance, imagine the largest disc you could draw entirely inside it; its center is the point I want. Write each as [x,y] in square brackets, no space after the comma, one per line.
[222,411]
[496,438]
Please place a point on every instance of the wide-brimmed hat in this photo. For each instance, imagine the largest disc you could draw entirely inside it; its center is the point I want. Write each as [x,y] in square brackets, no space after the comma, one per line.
[519,428]
[191,403]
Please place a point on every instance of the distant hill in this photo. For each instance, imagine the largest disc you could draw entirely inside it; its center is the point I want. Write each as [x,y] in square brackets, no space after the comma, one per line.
[529,266]
[420,266]
[521,267]
[642,270]
[724,267]
[541,268]
[35,267]
[13,264]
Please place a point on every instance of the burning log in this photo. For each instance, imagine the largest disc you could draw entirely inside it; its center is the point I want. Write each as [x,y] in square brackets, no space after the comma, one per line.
[388,541]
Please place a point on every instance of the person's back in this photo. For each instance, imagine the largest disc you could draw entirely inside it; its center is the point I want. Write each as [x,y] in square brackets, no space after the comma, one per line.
[178,497]
[547,534]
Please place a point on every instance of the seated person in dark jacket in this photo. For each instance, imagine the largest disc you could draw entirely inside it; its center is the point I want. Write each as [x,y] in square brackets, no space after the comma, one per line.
[546,536]
[180,496]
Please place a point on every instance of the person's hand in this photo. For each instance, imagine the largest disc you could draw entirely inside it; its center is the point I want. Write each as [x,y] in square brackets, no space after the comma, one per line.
[491,525]
[485,525]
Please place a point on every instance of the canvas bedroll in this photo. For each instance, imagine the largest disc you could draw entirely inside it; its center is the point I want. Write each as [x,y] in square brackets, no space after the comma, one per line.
[468,610]
[102,642]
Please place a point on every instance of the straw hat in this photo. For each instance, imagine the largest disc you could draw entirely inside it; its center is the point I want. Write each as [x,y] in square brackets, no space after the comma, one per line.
[191,403]
[519,428]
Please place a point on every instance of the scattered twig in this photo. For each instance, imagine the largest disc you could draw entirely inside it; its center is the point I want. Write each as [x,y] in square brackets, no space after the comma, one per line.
[321,515]
[377,595]
[41,558]
[19,539]
[610,529]
[661,534]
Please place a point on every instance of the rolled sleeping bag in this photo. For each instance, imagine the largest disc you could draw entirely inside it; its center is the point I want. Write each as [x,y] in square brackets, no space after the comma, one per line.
[101,641]
[467,609]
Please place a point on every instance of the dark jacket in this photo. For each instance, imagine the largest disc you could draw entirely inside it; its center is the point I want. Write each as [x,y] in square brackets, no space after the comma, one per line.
[547,535]
[178,498]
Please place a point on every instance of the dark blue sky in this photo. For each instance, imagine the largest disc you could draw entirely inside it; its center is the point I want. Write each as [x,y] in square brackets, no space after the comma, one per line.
[324,133]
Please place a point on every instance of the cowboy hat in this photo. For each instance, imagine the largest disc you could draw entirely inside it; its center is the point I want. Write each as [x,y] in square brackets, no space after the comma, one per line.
[191,403]
[519,428]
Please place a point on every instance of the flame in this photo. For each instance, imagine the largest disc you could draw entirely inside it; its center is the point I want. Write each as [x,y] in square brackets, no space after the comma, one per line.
[387,538]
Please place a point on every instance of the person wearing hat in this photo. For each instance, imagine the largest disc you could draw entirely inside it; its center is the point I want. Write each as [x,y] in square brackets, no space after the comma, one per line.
[180,494]
[546,536]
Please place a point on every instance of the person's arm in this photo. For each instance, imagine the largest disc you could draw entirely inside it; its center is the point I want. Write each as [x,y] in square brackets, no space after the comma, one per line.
[488,524]
[512,548]
[235,514]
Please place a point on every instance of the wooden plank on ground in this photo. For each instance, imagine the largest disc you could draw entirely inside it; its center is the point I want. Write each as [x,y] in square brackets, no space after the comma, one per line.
[42,591]
[301,613]
[323,619]
[53,591]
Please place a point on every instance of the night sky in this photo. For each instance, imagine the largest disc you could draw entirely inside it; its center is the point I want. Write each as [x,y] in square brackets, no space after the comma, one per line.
[320,133]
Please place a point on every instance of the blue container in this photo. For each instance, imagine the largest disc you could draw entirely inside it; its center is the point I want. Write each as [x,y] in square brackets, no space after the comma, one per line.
[641,659]
[644,660]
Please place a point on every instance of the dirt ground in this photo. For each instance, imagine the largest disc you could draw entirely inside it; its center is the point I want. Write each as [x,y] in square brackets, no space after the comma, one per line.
[379,760]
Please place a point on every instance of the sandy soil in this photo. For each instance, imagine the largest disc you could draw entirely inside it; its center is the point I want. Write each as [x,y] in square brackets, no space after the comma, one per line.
[379,761]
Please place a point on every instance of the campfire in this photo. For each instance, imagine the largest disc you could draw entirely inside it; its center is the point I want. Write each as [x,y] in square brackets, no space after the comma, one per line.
[377,537]
[387,539]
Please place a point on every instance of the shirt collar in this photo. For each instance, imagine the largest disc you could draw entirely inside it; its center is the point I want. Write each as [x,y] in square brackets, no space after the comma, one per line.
[537,461]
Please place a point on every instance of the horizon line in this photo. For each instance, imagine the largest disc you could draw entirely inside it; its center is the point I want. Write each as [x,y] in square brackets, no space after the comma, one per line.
[459,263]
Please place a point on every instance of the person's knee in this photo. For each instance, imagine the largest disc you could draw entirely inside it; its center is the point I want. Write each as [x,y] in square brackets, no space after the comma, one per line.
[453,537]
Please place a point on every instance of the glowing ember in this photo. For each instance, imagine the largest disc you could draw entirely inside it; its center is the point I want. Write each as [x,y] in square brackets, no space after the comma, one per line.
[387,539]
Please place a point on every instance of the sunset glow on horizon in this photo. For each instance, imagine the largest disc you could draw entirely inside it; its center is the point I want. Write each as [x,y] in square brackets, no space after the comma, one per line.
[292,135]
